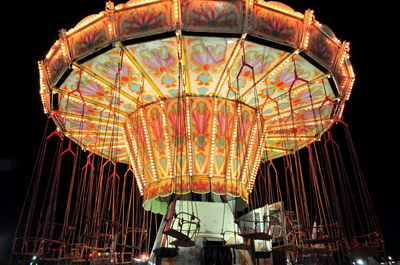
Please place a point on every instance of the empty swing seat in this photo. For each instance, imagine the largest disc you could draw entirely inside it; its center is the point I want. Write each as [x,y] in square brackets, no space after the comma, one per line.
[256,236]
[183,243]
[183,227]
[239,246]
[176,234]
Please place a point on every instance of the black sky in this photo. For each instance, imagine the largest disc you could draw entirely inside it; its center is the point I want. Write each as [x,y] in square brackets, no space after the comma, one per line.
[372,111]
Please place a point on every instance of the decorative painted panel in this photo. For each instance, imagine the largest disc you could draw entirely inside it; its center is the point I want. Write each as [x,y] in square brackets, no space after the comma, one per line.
[322,47]
[144,20]
[215,16]
[89,38]
[207,59]
[276,26]
[57,62]
[159,60]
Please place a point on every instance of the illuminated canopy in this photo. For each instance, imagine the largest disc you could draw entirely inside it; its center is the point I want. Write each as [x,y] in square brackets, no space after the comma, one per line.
[194,94]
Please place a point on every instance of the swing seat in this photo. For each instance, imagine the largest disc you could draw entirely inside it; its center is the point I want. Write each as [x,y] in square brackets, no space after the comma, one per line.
[257,236]
[239,246]
[176,234]
[183,243]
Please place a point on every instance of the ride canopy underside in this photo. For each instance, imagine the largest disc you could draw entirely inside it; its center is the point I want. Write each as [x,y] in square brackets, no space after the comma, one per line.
[193,95]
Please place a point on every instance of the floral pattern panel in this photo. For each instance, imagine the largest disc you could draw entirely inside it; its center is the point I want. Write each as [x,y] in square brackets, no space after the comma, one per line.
[277,27]
[144,20]
[160,62]
[322,47]
[118,71]
[56,64]
[253,63]
[215,16]
[201,110]
[84,87]
[176,120]
[293,78]
[207,58]
[224,131]
[157,139]
[89,39]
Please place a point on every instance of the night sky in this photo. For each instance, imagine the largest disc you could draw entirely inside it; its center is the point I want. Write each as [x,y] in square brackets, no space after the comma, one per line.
[372,111]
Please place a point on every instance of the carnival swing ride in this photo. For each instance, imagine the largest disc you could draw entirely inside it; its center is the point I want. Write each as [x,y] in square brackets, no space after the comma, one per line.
[164,112]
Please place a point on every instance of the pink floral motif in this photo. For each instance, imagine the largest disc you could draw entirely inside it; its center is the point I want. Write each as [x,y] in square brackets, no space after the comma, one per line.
[304,97]
[320,47]
[139,130]
[243,125]
[254,61]
[90,39]
[56,66]
[156,124]
[110,70]
[201,116]
[143,19]
[126,76]
[80,108]
[252,65]
[285,79]
[214,14]
[277,26]
[177,118]
[94,90]
[162,63]
[206,59]
[224,119]
[81,125]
